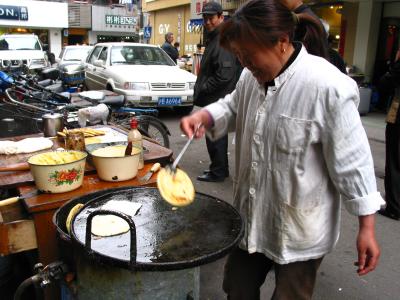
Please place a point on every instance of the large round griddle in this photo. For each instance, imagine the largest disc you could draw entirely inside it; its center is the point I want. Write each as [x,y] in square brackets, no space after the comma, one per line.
[167,238]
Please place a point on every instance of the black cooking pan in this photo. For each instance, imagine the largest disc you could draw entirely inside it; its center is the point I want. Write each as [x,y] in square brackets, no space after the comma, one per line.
[161,237]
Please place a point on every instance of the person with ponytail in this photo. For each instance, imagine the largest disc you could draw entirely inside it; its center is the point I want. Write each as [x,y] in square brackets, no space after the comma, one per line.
[300,153]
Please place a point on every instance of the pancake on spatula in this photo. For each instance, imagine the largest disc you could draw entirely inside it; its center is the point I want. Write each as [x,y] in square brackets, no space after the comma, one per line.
[175,188]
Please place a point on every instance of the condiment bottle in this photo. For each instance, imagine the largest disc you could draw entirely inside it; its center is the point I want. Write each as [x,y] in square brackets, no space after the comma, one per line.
[135,137]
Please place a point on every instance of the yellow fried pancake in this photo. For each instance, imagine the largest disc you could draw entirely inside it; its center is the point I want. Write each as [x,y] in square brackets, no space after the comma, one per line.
[71,214]
[176,189]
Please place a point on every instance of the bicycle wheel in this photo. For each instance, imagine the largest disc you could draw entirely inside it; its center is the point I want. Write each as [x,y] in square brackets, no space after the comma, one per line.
[148,126]
[154,129]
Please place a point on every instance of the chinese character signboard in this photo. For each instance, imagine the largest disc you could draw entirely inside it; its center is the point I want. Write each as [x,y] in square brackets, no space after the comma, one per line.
[8,12]
[120,20]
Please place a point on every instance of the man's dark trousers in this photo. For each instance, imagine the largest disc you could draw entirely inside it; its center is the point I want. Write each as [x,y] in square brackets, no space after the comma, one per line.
[218,151]
[392,173]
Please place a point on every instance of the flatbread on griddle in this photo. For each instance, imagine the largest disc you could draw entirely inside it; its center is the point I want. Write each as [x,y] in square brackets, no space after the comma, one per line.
[109,225]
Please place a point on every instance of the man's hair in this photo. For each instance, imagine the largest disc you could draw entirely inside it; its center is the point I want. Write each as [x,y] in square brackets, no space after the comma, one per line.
[168,35]
[176,44]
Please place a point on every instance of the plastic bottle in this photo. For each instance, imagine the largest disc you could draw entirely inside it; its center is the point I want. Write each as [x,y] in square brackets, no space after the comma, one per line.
[135,137]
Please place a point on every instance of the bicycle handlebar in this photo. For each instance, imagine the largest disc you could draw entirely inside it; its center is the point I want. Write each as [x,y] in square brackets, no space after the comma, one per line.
[19,103]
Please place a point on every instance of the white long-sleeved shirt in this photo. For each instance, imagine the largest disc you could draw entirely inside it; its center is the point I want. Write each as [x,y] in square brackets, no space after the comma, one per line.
[300,147]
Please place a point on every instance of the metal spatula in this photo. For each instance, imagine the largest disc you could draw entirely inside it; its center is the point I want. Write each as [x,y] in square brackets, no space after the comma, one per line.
[172,168]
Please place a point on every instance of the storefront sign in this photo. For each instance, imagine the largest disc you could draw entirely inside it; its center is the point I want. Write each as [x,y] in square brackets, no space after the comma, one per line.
[120,20]
[8,12]
[196,7]
[163,28]
[194,26]
[117,19]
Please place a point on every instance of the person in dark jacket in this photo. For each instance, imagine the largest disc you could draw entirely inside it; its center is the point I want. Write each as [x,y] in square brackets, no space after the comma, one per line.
[167,46]
[391,81]
[324,50]
[219,72]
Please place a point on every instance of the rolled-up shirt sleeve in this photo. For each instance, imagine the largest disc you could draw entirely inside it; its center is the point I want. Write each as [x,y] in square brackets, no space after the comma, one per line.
[348,154]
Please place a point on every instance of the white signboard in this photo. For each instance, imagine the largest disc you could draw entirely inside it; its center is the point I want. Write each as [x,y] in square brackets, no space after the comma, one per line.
[195,8]
[39,14]
[117,19]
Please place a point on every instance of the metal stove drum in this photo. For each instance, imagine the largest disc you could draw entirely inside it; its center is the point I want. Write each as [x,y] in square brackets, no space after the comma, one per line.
[159,257]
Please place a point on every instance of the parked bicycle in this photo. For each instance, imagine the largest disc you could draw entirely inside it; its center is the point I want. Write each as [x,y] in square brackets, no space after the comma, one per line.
[26,104]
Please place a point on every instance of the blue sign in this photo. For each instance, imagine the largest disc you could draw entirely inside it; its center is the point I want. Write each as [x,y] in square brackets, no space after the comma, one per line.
[147,32]
[8,12]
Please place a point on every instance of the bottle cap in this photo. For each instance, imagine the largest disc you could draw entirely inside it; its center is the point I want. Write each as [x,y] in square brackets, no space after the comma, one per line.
[134,123]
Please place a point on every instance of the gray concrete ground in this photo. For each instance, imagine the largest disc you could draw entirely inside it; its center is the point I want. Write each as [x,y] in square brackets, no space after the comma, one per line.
[337,275]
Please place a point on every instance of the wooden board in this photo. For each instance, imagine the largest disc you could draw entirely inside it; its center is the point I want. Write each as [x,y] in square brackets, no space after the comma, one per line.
[155,153]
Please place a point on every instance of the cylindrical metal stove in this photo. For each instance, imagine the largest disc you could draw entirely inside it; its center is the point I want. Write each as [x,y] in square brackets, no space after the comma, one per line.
[159,257]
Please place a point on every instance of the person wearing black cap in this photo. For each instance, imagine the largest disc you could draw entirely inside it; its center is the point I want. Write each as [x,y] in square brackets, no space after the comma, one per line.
[219,72]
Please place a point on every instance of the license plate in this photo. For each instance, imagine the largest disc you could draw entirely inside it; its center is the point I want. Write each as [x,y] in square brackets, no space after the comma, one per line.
[168,101]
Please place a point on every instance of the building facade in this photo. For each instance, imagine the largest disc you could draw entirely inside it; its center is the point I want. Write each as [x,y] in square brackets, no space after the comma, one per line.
[46,20]
[164,16]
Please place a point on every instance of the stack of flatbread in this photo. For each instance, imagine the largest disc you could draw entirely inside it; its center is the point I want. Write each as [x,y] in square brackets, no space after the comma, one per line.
[27,145]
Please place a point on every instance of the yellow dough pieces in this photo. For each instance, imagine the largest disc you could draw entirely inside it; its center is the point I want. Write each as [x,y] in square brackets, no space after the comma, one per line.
[176,189]
[71,214]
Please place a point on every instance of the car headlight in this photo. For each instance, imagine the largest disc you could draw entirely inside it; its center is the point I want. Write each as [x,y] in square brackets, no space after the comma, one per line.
[139,86]
[191,85]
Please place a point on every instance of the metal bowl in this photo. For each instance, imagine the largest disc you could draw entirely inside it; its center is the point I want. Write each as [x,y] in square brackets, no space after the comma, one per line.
[56,177]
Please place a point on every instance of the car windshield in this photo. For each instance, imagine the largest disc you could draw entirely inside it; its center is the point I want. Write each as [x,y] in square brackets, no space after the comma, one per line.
[139,55]
[76,54]
[19,43]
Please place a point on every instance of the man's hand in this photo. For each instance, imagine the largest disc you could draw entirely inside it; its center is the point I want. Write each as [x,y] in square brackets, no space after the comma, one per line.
[190,123]
[367,246]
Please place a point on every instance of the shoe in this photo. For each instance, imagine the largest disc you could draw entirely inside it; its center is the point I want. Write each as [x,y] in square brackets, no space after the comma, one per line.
[208,171]
[210,177]
[386,213]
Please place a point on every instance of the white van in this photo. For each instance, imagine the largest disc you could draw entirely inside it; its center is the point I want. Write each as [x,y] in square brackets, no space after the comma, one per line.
[18,49]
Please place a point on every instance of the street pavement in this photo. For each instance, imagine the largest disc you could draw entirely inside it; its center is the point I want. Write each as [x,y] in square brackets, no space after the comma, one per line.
[337,275]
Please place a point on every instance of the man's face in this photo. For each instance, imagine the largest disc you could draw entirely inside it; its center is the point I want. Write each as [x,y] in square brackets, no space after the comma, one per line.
[171,38]
[212,21]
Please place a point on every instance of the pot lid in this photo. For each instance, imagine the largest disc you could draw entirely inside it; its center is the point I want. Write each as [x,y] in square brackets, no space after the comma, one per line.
[167,238]
[52,116]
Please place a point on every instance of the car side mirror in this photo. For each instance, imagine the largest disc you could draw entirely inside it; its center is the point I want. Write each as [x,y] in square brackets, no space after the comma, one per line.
[99,63]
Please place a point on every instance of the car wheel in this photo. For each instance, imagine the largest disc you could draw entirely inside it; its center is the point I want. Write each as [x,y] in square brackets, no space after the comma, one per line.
[183,110]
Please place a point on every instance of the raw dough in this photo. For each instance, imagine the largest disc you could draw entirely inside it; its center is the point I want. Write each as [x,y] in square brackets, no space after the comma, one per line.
[113,151]
[109,225]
